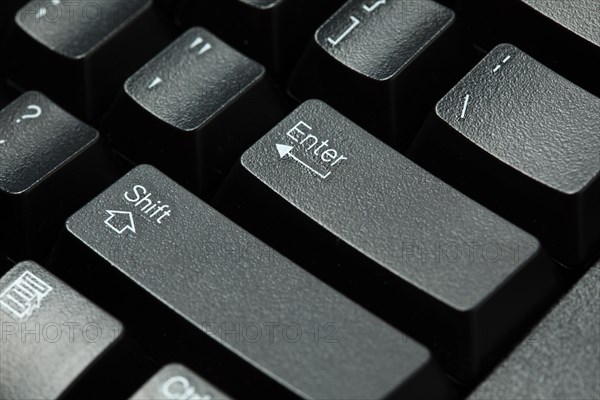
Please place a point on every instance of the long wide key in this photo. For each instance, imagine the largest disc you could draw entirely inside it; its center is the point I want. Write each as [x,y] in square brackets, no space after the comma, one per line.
[215,275]
[525,142]
[372,223]
[50,334]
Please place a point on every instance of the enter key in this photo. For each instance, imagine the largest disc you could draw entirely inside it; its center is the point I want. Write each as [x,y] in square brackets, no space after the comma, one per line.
[384,231]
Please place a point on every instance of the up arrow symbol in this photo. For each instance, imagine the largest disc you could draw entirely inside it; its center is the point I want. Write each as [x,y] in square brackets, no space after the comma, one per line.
[120,221]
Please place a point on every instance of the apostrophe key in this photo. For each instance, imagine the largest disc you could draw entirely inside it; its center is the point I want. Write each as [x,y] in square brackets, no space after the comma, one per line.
[383,230]
[150,237]
[51,335]
[382,63]
[525,142]
[273,32]
[564,35]
[67,49]
[193,109]
[175,381]
[50,164]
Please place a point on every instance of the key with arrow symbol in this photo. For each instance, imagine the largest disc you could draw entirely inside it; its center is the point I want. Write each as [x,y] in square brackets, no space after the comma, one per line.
[285,150]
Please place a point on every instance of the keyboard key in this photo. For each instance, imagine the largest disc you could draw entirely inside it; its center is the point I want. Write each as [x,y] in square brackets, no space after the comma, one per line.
[559,359]
[81,52]
[210,272]
[194,109]
[564,35]
[534,138]
[50,164]
[435,263]
[50,334]
[175,381]
[273,32]
[381,63]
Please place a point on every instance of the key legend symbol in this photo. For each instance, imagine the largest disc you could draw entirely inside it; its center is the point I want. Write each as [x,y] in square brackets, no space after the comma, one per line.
[36,112]
[285,150]
[198,42]
[504,61]
[22,297]
[120,221]
[157,81]
[465,105]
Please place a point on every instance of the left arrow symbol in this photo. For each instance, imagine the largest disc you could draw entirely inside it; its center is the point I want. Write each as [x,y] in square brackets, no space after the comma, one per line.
[120,221]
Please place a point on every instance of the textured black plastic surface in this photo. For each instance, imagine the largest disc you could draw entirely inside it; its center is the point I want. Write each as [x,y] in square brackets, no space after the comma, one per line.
[581,17]
[36,138]
[193,109]
[534,137]
[196,77]
[50,163]
[564,35]
[74,29]
[560,359]
[272,32]
[185,260]
[380,38]
[80,52]
[529,118]
[385,64]
[422,243]
[50,334]
[376,200]
[174,381]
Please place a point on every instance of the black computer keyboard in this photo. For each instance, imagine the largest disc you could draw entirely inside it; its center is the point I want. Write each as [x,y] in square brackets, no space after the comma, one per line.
[316,199]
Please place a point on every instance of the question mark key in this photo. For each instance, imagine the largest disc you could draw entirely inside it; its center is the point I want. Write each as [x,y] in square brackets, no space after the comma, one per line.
[39,141]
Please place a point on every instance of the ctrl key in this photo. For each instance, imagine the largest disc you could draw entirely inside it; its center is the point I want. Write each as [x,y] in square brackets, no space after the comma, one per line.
[175,381]
[50,334]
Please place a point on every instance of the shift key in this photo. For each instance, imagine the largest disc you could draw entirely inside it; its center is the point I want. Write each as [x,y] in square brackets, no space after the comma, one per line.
[213,274]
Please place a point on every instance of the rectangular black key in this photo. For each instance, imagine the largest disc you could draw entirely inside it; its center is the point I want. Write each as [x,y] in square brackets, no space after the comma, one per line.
[176,382]
[564,35]
[50,334]
[207,269]
[371,222]
[385,63]
[560,358]
[79,52]
[535,139]
[193,109]
[50,164]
